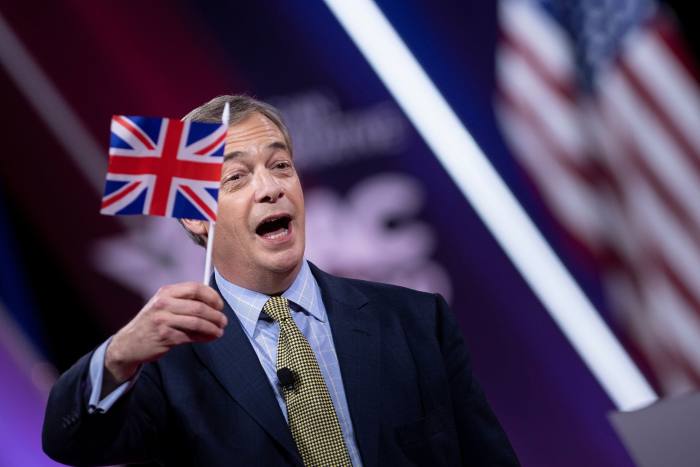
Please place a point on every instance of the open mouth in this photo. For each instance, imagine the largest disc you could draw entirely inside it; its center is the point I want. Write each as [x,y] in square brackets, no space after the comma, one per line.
[274,227]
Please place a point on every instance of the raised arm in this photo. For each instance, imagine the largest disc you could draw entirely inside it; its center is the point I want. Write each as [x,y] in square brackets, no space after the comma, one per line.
[129,430]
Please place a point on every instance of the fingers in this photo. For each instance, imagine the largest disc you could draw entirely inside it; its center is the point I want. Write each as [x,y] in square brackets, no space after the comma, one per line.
[188,307]
[193,291]
[169,336]
[191,299]
[196,328]
[177,314]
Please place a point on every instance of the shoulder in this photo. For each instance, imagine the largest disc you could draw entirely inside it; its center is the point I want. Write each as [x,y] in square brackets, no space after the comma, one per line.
[394,293]
[386,299]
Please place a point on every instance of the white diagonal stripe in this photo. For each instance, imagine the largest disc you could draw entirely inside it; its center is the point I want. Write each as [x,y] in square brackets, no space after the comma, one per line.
[668,82]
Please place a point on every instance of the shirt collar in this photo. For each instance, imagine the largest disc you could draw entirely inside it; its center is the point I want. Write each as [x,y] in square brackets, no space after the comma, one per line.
[304,295]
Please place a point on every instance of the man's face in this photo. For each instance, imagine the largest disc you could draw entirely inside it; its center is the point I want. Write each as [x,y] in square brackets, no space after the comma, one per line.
[260,220]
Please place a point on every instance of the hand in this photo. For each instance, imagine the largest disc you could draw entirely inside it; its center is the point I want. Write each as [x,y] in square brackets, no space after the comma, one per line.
[176,314]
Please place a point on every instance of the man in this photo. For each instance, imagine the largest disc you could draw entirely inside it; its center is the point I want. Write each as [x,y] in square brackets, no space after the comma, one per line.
[277,363]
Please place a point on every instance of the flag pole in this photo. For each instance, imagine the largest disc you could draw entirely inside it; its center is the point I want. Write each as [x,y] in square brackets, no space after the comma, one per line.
[207,261]
[210,231]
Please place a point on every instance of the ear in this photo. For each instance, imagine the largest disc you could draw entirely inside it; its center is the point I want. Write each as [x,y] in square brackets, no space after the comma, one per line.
[196,226]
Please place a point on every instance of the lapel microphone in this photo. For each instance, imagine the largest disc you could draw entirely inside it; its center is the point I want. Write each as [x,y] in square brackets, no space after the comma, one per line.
[286,378]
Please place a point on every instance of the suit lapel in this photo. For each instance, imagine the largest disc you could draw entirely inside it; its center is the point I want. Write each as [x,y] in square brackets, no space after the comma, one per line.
[235,364]
[356,339]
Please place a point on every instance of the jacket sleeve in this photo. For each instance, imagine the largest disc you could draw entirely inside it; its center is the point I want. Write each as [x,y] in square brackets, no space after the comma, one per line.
[481,438]
[95,380]
[126,433]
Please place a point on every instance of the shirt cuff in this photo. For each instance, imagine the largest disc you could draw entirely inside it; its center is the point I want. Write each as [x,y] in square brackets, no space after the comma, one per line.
[97,367]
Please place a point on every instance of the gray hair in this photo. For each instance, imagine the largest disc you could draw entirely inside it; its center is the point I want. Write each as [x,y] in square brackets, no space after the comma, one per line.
[240,107]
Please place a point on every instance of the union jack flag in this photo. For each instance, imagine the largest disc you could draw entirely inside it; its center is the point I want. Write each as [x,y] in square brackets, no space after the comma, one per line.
[163,167]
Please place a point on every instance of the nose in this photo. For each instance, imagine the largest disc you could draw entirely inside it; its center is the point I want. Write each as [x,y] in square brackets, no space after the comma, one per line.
[268,189]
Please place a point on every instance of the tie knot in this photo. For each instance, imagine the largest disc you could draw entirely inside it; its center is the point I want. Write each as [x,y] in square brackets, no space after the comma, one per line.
[277,308]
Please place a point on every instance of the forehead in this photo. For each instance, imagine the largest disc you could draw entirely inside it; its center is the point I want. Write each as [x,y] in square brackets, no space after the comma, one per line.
[254,130]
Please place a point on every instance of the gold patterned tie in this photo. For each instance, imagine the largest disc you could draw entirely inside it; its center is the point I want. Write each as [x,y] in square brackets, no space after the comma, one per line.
[312,418]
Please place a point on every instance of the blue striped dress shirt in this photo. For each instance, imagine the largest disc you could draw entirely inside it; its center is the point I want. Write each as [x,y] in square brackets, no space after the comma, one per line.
[309,314]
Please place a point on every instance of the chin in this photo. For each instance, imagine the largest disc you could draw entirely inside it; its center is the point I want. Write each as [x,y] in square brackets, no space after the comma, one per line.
[283,261]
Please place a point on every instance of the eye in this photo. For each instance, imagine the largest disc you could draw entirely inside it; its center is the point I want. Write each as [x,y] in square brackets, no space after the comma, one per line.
[282,165]
[234,177]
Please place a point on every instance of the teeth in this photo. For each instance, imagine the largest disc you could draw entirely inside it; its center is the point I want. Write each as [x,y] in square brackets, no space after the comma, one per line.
[278,234]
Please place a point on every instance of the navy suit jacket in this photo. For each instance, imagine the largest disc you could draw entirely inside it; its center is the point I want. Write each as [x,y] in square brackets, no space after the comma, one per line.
[412,397]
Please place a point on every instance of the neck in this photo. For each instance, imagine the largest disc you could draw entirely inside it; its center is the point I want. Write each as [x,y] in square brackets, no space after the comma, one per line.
[263,281]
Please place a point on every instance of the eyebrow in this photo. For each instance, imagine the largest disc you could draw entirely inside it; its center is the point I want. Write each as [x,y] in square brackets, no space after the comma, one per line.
[276,145]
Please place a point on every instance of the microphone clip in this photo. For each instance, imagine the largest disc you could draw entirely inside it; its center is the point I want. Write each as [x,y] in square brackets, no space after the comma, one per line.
[286,378]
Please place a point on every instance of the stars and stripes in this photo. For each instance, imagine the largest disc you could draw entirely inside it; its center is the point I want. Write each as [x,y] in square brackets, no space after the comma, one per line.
[601,107]
[163,167]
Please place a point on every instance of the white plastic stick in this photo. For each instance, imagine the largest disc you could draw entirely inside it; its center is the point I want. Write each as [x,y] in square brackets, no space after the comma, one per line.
[207,261]
[210,233]
[225,115]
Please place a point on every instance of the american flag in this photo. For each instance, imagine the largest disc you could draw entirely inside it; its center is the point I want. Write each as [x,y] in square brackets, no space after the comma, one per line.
[163,167]
[600,104]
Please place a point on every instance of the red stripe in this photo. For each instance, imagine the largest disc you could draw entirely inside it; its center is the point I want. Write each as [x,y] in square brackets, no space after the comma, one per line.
[677,209]
[213,145]
[591,174]
[565,88]
[647,363]
[167,168]
[668,33]
[119,195]
[656,260]
[198,201]
[678,283]
[152,166]
[666,355]
[633,152]
[688,369]
[134,131]
[692,154]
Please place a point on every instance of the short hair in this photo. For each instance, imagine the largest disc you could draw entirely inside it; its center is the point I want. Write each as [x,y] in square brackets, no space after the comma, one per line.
[240,107]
